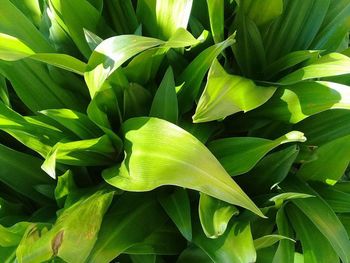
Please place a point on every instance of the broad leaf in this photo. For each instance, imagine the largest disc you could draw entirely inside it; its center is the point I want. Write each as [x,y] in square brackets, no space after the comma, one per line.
[269,240]
[153,146]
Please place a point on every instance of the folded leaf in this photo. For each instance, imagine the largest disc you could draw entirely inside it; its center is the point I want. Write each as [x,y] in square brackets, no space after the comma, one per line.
[154,146]
[226,94]
[269,240]
[91,152]
[194,73]
[215,215]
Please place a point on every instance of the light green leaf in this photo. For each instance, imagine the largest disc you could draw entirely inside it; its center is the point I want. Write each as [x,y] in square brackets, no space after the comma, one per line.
[177,206]
[65,186]
[269,240]
[90,152]
[215,215]
[162,18]
[281,198]
[172,15]
[39,245]
[12,48]
[194,73]
[240,154]
[332,160]
[216,17]
[164,104]
[114,51]
[226,94]
[299,101]
[332,64]
[322,216]
[153,146]
[285,249]
[311,238]
[236,245]
[4,96]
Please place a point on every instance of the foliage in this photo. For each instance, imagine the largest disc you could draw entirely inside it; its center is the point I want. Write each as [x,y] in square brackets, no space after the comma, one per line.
[174,131]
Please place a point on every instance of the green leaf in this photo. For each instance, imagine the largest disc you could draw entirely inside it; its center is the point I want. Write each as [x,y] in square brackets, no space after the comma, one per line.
[299,101]
[226,94]
[22,28]
[332,64]
[11,236]
[22,173]
[269,240]
[91,152]
[193,254]
[331,163]
[335,26]
[288,61]
[4,96]
[75,22]
[338,200]
[143,258]
[319,132]
[177,206]
[215,215]
[194,73]
[295,29]
[65,186]
[121,228]
[123,16]
[285,249]
[164,104]
[74,121]
[216,17]
[38,89]
[322,216]
[270,171]
[39,245]
[236,245]
[262,11]
[238,155]
[311,238]
[153,145]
